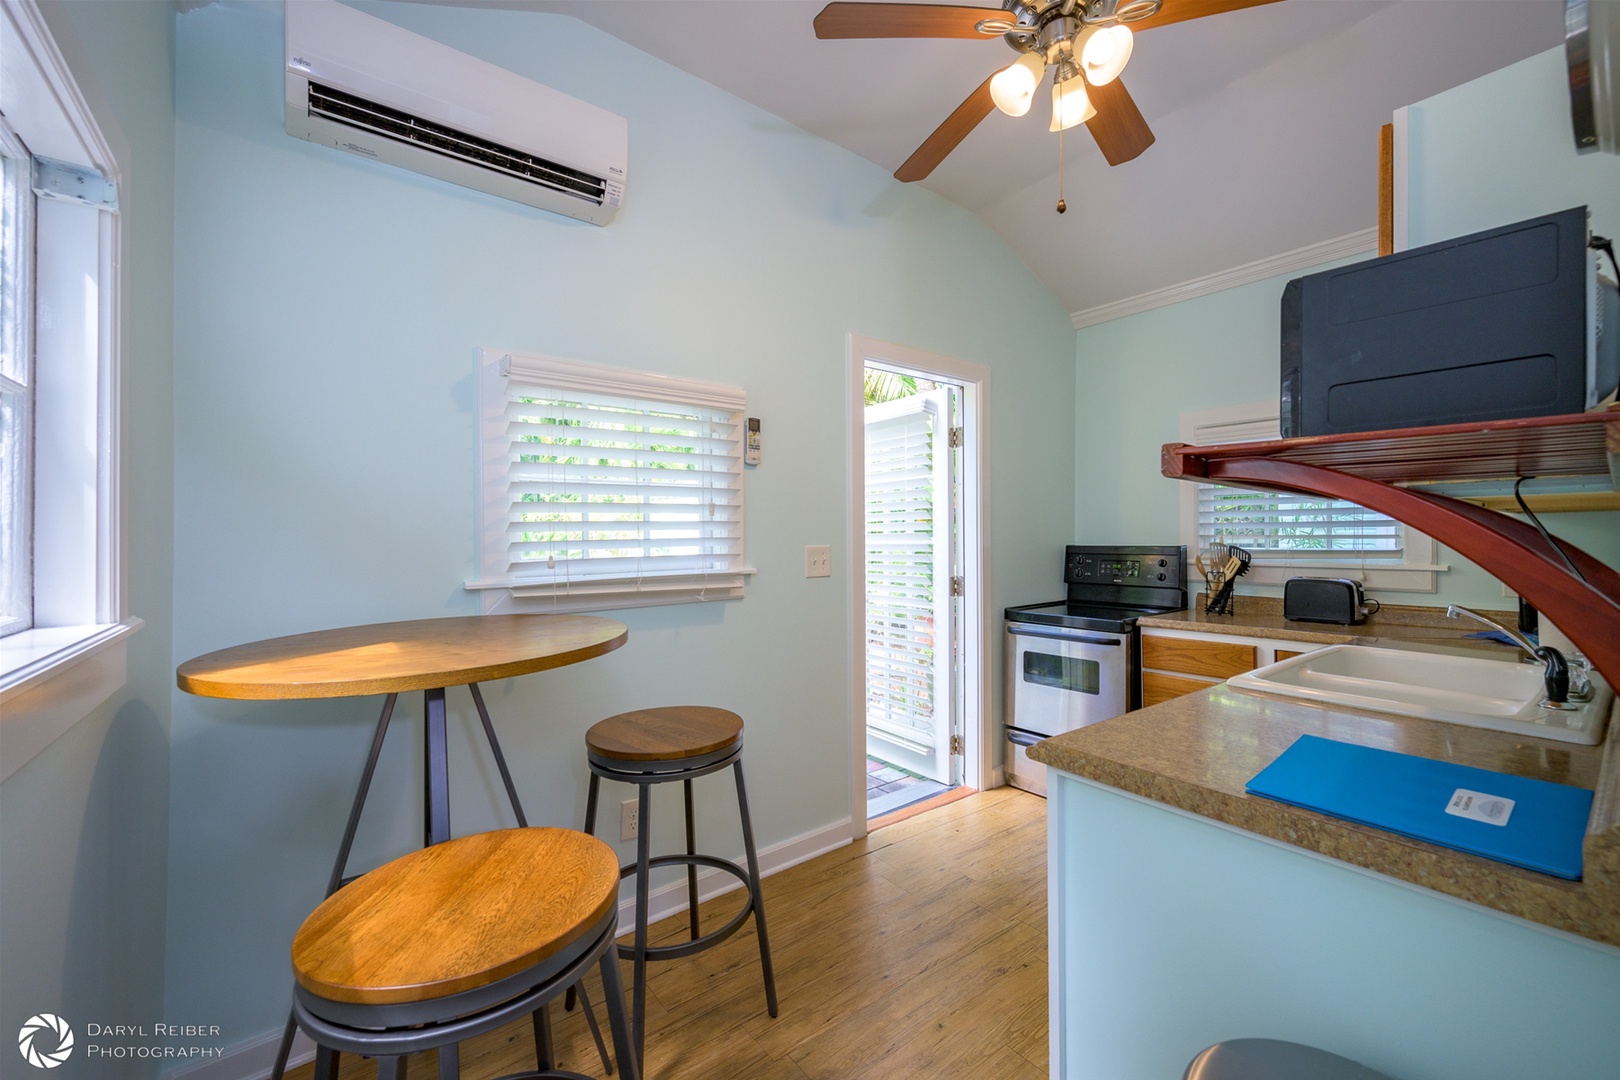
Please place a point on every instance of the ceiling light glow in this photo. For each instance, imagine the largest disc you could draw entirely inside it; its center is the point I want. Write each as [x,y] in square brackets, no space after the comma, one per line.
[1013,88]
[1070,105]
[1104,52]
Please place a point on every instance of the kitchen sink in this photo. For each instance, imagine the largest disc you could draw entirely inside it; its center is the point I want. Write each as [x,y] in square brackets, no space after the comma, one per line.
[1476,691]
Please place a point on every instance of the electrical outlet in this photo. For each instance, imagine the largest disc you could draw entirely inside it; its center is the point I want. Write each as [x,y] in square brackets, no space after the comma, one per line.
[818,560]
[629,819]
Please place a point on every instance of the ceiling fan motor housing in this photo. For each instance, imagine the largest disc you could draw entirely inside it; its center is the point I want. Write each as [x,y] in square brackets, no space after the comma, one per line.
[1043,24]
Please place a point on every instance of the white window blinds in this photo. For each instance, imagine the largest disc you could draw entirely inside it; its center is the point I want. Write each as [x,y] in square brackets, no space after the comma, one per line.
[610,488]
[907,576]
[1285,525]
[1301,525]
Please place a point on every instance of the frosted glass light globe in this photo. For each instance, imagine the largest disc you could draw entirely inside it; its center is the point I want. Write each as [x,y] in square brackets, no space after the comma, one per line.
[1070,105]
[1104,52]
[1013,88]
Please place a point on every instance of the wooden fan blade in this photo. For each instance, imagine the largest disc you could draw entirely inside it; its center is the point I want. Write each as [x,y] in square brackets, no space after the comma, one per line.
[1118,127]
[853,20]
[1175,11]
[946,137]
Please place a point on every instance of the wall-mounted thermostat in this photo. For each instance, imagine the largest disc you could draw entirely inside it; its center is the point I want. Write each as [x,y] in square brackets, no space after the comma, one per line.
[751,451]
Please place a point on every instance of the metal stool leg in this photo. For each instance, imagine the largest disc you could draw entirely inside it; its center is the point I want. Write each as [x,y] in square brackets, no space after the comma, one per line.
[643,872]
[755,891]
[390,1068]
[450,1061]
[591,794]
[326,1063]
[285,1049]
[613,990]
[545,1047]
[590,1019]
[691,868]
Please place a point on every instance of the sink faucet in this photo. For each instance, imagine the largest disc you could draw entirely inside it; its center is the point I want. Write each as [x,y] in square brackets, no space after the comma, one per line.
[1557,676]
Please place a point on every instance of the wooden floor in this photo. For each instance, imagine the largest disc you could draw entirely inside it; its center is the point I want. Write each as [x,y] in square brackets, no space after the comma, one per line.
[919,951]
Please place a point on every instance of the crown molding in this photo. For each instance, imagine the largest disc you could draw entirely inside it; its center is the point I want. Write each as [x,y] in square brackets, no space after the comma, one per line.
[1356,243]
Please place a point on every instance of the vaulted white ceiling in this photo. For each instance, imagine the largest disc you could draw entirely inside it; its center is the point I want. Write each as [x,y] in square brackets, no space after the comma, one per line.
[1266,118]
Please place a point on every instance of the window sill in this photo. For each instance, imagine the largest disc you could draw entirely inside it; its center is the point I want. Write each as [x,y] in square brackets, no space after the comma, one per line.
[609,595]
[51,679]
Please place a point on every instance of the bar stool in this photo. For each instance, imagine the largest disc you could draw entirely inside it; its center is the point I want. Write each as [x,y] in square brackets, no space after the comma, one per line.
[1274,1059]
[659,746]
[457,939]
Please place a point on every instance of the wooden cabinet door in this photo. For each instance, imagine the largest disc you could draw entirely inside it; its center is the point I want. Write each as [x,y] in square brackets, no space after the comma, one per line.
[1217,659]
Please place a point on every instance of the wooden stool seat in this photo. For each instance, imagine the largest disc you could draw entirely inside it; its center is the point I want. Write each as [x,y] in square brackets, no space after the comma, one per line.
[457,916]
[669,733]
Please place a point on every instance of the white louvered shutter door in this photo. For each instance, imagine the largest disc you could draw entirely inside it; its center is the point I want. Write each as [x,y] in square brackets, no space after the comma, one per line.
[908,582]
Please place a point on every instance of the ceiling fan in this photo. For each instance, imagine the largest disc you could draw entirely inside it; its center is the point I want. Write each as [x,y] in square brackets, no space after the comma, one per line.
[1086,43]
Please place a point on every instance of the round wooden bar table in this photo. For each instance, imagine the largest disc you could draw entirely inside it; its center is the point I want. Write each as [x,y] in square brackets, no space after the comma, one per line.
[429,655]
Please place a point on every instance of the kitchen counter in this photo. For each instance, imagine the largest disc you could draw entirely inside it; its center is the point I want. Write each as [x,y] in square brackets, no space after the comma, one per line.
[1262,617]
[1196,753]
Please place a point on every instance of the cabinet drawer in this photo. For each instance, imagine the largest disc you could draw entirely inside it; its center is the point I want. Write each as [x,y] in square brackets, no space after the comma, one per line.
[1158,688]
[1287,654]
[1217,659]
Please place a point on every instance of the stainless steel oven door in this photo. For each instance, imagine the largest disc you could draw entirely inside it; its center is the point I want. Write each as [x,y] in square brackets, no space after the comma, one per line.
[1059,679]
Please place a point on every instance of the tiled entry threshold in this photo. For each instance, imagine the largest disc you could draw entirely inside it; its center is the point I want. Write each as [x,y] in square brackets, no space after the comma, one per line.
[889,789]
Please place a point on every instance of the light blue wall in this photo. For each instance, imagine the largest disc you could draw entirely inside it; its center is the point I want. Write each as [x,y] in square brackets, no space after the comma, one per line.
[1490,152]
[1498,150]
[1173,933]
[84,825]
[327,313]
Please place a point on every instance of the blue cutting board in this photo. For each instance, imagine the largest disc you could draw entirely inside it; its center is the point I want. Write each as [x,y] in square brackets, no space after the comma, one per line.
[1535,824]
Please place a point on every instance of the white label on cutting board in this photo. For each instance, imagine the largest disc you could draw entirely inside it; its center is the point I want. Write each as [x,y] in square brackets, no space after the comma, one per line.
[1478,806]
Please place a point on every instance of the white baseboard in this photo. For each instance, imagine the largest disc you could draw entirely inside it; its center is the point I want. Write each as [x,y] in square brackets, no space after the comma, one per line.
[252,1060]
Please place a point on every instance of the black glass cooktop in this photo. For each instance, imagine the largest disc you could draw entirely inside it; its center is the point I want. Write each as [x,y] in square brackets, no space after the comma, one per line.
[1104,618]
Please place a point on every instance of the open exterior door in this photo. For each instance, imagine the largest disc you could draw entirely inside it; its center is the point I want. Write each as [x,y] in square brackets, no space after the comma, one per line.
[909,647]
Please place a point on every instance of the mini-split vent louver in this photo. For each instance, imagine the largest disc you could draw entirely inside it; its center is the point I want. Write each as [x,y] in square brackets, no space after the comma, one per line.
[370,88]
[438,139]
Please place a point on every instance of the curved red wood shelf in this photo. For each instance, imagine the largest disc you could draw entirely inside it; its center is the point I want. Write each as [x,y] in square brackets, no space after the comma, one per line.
[1365,467]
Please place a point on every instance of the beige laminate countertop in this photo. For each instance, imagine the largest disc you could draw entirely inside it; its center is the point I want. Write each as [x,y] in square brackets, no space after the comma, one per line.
[1197,753]
[1261,617]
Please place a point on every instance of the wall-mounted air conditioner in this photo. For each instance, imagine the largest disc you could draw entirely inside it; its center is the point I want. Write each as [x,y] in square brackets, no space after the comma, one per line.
[368,87]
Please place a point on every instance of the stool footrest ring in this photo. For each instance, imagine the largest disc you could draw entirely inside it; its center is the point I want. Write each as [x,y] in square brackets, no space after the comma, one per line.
[713,937]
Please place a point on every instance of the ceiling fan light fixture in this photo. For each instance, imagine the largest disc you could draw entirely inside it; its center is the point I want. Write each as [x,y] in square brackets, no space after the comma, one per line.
[1104,51]
[1013,88]
[1070,104]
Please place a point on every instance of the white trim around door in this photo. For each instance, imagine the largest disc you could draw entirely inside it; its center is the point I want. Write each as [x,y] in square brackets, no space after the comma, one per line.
[977,636]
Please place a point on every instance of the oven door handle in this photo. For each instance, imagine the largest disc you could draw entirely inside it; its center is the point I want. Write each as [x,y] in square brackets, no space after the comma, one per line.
[1024,738]
[1060,636]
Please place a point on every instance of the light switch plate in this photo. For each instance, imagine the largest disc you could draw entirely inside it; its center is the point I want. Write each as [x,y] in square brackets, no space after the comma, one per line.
[818,560]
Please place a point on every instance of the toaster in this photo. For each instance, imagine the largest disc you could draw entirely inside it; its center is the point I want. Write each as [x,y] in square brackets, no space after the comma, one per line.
[1329,600]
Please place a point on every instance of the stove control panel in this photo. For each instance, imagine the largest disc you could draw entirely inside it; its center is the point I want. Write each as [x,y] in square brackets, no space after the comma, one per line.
[1151,567]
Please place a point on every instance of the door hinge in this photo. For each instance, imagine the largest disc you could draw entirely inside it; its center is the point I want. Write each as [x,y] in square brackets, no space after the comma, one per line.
[957,749]
[958,586]
[956,436]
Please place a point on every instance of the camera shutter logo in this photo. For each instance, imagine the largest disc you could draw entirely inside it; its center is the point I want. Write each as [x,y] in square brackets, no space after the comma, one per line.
[60,1034]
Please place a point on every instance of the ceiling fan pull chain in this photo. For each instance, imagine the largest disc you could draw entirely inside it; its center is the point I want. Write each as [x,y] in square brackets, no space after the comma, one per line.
[1062,207]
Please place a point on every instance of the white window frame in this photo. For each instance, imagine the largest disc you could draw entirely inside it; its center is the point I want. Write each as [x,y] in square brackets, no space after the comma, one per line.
[1415,571]
[16,385]
[72,659]
[557,588]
